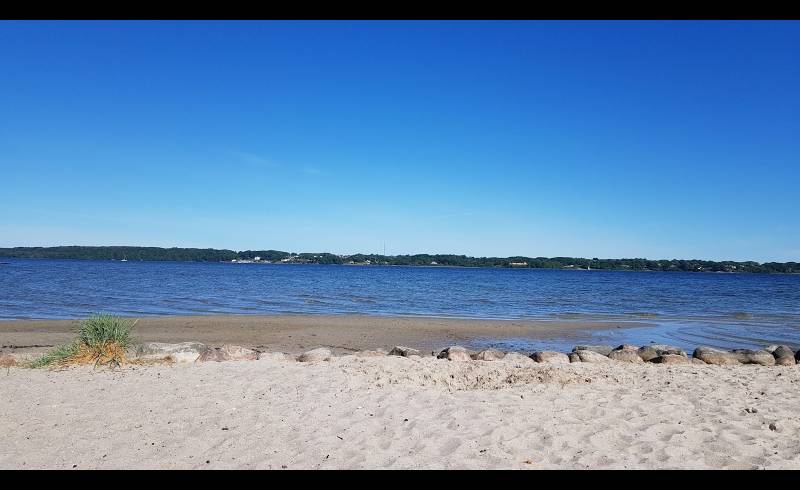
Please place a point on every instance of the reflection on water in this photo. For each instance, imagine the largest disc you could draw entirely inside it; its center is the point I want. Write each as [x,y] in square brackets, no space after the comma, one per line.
[687,309]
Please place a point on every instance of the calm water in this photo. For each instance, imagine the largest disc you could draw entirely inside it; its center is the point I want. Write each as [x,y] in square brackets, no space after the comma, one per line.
[688,309]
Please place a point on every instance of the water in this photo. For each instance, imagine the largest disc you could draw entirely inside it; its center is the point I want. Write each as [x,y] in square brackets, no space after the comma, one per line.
[686,309]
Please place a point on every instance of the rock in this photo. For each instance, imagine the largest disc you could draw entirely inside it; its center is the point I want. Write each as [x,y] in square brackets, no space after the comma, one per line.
[649,352]
[715,356]
[489,355]
[772,426]
[370,353]
[228,352]
[592,356]
[750,356]
[627,347]
[315,355]
[181,352]
[209,355]
[671,359]
[518,358]
[274,356]
[625,356]
[402,351]
[698,361]
[784,355]
[573,357]
[550,357]
[238,353]
[668,349]
[455,353]
[600,349]
[771,348]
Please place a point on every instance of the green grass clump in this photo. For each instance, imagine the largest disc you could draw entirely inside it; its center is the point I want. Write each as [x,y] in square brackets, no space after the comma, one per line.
[99,330]
[101,339]
[58,354]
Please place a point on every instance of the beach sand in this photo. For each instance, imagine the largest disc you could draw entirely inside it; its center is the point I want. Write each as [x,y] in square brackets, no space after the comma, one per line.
[394,412]
[297,333]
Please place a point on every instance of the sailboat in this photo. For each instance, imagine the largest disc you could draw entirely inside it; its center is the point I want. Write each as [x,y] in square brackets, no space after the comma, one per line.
[124,258]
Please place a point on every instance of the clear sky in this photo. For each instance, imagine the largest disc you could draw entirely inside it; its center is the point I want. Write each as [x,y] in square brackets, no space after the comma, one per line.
[593,139]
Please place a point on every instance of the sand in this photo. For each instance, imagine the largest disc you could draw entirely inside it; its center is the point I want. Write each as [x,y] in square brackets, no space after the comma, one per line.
[393,412]
[297,333]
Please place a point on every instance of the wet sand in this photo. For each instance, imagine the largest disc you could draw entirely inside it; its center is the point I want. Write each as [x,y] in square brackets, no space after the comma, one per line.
[297,333]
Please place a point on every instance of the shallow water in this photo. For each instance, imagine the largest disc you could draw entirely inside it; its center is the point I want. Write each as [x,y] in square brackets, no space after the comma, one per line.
[688,309]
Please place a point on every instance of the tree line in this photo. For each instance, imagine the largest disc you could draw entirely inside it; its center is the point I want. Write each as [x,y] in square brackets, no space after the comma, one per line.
[216,255]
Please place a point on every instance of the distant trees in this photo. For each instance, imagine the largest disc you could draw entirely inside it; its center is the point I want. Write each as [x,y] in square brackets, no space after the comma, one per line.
[214,255]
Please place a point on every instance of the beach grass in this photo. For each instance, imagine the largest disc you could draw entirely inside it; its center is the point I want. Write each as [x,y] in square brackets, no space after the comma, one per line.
[100,339]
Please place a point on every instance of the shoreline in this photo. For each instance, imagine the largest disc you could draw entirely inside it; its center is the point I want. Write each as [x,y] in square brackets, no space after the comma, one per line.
[408,265]
[295,333]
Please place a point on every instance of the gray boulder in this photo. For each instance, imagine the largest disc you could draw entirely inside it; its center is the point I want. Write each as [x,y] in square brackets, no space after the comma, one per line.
[711,355]
[600,349]
[671,359]
[627,347]
[181,352]
[315,355]
[550,357]
[750,356]
[228,352]
[518,358]
[625,356]
[370,353]
[274,356]
[455,353]
[784,355]
[782,351]
[573,357]
[592,356]
[489,355]
[649,352]
[402,351]
[668,349]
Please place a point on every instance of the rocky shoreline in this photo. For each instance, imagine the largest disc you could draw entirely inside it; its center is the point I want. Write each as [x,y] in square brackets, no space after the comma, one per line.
[781,355]
[189,352]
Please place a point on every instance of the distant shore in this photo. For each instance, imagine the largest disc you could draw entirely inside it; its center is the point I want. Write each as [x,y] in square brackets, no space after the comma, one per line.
[136,253]
[296,333]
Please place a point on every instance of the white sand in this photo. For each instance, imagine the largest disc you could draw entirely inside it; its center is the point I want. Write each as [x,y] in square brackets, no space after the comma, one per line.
[351,413]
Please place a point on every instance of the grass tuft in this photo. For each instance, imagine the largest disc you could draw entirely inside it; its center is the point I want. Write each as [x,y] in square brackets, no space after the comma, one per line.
[101,339]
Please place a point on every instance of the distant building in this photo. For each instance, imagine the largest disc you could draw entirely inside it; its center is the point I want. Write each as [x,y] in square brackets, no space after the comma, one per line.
[434,263]
[519,264]
[256,258]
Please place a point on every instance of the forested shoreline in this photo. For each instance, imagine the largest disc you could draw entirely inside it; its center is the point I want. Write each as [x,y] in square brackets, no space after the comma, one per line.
[277,256]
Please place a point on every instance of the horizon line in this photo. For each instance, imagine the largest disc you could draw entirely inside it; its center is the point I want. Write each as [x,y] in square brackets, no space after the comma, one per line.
[401,255]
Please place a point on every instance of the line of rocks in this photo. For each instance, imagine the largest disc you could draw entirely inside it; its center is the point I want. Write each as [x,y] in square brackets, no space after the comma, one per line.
[655,353]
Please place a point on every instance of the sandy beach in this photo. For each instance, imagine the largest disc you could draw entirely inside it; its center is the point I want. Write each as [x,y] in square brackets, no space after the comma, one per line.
[297,333]
[362,412]
[396,412]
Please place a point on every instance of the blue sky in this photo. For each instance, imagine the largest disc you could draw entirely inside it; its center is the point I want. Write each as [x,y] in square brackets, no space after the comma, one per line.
[593,139]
